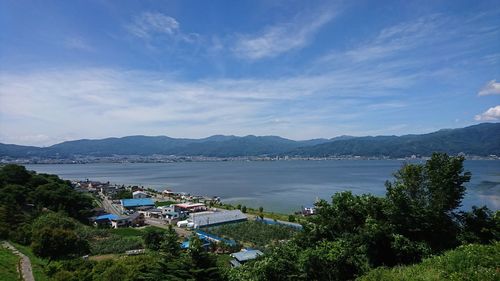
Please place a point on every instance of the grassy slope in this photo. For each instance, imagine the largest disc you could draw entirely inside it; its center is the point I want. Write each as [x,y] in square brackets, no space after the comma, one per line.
[8,265]
[470,262]
[37,263]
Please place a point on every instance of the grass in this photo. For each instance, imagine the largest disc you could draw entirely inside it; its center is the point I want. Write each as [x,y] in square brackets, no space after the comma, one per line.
[469,262]
[223,260]
[127,232]
[8,265]
[37,263]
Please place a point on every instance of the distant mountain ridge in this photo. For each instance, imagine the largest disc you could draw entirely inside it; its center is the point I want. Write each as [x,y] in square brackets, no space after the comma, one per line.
[481,140]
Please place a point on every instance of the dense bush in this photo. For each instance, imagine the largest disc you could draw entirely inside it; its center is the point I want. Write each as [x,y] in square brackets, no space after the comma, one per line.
[468,262]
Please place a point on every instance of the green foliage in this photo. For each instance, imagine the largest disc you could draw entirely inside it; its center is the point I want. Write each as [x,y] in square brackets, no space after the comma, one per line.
[115,244]
[469,262]
[8,265]
[153,238]
[24,194]
[422,198]
[254,233]
[169,246]
[122,194]
[244,209]
[54,236]
[479,226]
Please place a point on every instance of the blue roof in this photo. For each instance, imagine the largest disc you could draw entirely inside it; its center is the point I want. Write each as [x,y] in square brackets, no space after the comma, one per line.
[107,217]
[204,235]
[127,203]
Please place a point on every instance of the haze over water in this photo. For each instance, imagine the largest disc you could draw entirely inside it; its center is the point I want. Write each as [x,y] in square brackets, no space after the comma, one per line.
[280,186]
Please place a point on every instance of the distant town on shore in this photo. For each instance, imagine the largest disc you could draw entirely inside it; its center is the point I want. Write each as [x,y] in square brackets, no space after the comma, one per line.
[474,142]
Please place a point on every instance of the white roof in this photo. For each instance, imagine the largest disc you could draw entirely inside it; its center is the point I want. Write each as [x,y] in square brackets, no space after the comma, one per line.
[138,192]
[205,219]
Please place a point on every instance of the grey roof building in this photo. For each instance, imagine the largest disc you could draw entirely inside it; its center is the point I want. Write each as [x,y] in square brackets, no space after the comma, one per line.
[216,218]
[244,256]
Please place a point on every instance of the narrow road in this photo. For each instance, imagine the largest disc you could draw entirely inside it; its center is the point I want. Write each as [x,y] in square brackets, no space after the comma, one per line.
[26,270]
[108,205]
[180,231]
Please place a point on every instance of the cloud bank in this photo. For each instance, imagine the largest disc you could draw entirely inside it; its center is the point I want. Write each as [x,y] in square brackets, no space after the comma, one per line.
[492,114]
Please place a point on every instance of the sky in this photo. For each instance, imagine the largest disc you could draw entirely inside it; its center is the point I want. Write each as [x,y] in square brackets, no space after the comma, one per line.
[297,69]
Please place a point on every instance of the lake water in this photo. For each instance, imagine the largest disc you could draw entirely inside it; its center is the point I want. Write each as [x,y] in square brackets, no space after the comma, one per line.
[280,186]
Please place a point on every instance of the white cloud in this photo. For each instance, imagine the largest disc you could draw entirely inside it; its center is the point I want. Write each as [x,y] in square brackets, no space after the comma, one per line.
[150,25]
[96,103]
[491,88]
[281,38]
[491,114]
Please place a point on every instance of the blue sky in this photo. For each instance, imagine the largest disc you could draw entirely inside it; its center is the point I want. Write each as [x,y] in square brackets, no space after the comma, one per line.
[298,69]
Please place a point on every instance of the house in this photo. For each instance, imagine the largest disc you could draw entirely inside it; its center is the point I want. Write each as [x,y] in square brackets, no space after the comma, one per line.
[168,193]
[104,219]
[132,204]
[154,213]
[136,219]
[190,207]
[172,217]
[118,222]
[139,194]
[244,256]
[308,211]
[207,219]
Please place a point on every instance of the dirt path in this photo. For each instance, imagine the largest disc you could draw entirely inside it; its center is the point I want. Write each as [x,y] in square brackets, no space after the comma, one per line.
[25,262]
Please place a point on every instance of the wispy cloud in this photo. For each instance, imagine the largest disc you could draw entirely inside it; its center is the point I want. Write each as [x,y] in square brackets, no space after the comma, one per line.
[77,43]
[118,102]
[280,38]
[492,114]
[491,88]
[149,25]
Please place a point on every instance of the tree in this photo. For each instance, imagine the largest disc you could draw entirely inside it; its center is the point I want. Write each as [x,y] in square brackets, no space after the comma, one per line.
[153,238]
[170,243]
[422,199]
[479,226]
[244,209]
[54,236]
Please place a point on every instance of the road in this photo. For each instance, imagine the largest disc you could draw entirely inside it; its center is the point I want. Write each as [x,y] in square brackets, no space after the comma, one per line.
[26,270]
[108,206]
[180,231]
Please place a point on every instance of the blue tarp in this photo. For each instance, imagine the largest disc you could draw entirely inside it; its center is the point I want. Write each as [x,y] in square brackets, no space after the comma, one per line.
[203,234]
[130,203]
[289,224]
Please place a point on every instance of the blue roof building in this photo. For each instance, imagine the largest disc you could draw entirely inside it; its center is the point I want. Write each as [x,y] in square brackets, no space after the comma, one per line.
[108,217]
[135,203]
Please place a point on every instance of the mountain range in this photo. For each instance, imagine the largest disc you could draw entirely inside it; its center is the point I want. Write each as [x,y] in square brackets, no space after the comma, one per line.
[481,140]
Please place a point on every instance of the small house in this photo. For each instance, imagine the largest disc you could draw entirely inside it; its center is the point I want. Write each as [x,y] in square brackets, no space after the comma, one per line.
[139,195]
[244,256]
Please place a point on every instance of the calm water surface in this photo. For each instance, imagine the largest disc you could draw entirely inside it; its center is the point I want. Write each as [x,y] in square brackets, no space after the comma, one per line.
[281,186]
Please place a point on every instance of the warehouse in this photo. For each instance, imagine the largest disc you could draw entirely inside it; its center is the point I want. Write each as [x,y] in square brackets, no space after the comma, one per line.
[207,219]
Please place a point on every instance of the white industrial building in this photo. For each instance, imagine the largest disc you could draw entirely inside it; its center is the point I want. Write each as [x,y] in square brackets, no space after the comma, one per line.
[207,219]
